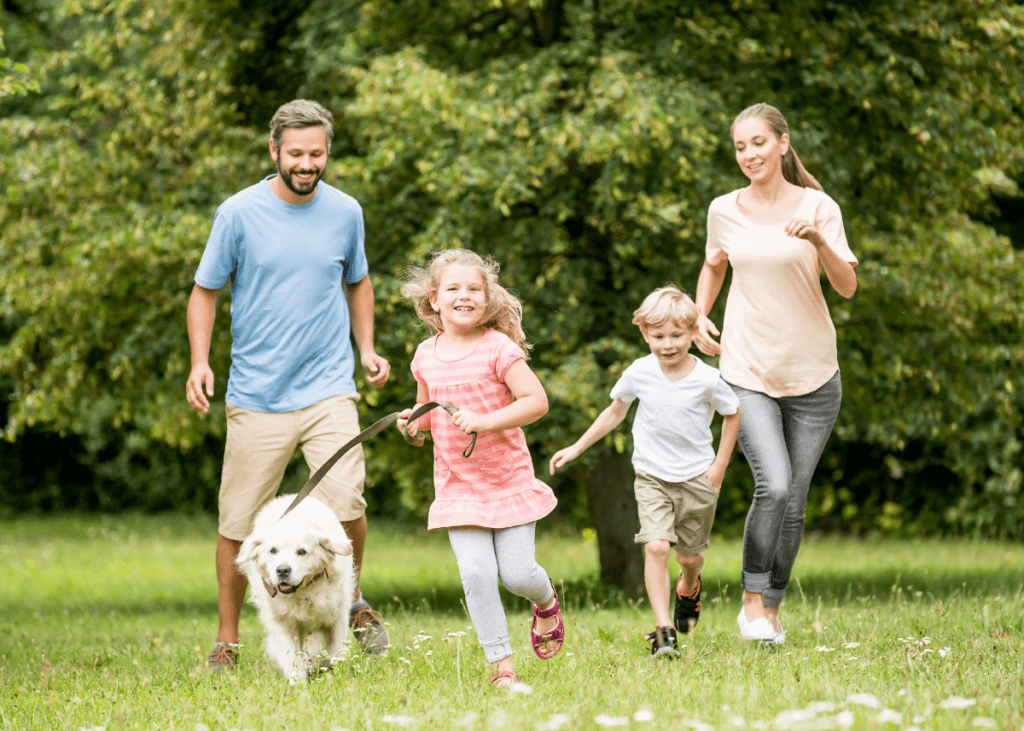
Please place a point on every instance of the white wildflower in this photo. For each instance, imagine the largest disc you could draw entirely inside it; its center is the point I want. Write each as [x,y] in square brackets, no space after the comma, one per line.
[844,719]
[955,701]
[850,645]
[737,722]
[864,699]
[643,716]
[402,659]
[823,648]
[523,688]
[887,715]
[945,651]
[603,720]
[398,720]
[983,722]
[554,723]
[822,707]
[903,691]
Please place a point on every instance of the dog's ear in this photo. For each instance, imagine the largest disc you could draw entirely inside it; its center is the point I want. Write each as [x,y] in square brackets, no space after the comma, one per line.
[248,548]
[340,546]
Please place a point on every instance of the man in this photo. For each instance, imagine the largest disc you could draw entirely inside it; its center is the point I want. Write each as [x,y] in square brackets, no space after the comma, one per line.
[292,248]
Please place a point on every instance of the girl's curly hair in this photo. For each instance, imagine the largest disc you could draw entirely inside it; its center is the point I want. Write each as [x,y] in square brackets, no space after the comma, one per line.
[503,311]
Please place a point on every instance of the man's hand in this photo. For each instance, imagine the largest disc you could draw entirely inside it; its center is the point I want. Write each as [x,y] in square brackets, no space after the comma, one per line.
[201,377]
[377,368]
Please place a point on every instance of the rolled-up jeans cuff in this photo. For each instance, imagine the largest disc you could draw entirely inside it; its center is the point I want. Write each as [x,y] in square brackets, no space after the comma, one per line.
[772,597]
[756,583]
[497,650]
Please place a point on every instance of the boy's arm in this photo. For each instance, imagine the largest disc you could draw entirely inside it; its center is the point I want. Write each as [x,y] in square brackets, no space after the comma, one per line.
[607,420]
[730,429]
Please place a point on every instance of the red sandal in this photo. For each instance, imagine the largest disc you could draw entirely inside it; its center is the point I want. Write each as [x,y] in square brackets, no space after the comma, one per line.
[503,674]
[557,635]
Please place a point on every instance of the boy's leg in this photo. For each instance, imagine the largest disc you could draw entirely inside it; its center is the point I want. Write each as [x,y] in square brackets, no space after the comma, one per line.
[657,518]
[690,567]
[656,579]
[695,514]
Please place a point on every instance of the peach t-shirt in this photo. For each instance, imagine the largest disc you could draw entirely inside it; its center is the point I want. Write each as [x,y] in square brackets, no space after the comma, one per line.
[778,337]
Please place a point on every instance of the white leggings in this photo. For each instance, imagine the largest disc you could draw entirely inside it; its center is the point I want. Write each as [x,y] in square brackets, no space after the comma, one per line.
[486,555]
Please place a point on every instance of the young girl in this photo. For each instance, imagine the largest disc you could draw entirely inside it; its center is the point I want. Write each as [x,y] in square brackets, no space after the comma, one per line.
[491,501]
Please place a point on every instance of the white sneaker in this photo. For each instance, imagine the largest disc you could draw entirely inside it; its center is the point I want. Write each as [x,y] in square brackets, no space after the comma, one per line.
[760,629]
[780,637]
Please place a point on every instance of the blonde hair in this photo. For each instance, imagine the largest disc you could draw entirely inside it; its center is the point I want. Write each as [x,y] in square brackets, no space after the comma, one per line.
[503,311]
[299,114]
[792,169]
[667,304]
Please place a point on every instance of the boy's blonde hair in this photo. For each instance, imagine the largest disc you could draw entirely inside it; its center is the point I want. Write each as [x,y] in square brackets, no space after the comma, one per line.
[667,304]
[503,311]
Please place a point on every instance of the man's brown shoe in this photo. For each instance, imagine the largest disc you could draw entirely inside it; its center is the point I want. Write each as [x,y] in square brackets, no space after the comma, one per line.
[223,657]
[369,630]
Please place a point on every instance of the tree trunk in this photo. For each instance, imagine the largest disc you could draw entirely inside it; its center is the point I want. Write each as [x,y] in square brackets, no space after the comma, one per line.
[614,514]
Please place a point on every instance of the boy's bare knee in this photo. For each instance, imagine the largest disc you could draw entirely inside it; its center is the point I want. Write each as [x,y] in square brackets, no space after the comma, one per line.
[657,550]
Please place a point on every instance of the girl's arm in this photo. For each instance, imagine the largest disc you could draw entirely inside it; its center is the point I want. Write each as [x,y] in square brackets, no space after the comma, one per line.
[709,284]
[607,420]
[530,404]
[726,443]
[415,428]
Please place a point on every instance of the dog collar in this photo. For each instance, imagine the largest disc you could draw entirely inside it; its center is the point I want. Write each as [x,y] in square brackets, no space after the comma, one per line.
[273,590]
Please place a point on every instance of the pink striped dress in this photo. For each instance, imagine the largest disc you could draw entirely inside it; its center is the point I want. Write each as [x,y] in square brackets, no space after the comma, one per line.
[496,487]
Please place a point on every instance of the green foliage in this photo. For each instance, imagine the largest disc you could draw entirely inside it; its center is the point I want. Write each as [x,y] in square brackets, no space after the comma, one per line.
[580,144]
[14,77]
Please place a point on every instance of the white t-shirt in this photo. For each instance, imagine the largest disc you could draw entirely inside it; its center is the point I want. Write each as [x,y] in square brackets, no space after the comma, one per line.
[777,337]
[672,427]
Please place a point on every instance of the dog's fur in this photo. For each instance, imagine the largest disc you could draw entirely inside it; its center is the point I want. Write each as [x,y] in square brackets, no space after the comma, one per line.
[306,621]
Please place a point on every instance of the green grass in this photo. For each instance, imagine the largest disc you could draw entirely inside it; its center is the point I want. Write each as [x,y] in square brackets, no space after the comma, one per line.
[106,622]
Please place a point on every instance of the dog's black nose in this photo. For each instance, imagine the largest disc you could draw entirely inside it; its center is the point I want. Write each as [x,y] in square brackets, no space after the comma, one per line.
[283,570]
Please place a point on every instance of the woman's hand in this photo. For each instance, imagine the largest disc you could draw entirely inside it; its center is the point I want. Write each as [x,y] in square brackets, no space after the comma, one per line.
[468,421]
[803,229]
[563,457]
[705,329]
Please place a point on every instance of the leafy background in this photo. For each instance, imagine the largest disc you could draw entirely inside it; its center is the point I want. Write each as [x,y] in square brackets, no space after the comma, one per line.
[580,144]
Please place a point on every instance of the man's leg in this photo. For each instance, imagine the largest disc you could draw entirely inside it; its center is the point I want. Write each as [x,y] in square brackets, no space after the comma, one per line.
[324,427]
[356,532]
[256,454]
[231,587]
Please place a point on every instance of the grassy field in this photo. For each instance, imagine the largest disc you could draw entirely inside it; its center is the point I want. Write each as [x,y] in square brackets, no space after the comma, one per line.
[106,622]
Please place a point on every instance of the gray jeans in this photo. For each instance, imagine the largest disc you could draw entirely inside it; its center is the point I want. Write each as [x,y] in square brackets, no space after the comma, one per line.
[782,439]
[486,555]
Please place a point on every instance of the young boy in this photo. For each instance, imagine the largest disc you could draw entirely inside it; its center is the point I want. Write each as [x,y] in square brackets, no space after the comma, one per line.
[678,473]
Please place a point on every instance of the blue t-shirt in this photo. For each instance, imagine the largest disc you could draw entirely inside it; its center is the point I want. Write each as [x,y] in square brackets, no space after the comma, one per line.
[289,318]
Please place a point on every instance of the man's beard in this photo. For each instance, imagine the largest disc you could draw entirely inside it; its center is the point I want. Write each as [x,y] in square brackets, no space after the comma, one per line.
[302,189]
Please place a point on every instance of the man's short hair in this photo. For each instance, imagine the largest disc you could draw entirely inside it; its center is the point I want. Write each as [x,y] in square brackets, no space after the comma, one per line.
[300,114]
[667,304]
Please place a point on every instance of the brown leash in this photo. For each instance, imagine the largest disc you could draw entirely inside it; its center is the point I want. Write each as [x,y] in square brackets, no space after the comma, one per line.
[372,431]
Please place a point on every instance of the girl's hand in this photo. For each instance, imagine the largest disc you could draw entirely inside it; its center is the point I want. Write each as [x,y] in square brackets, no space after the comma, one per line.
[563,457]
[470,421]
[403,419]
[804,229]
[705,329]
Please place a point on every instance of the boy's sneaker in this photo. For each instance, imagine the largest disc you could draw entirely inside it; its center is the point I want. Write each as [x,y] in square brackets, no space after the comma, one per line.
[687,610]
[663,641]
[223,657]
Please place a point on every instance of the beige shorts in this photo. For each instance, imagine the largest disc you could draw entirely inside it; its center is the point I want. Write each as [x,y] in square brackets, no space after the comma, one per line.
[260,445]
[678,512]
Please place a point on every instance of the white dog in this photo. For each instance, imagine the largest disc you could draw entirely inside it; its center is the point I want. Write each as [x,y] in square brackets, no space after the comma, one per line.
[300,571]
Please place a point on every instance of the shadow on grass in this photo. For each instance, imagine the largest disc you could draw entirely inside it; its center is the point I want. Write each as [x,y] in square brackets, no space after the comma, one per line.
[588,592]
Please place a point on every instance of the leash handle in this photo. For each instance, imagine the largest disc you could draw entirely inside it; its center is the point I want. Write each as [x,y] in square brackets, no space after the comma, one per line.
[419,439]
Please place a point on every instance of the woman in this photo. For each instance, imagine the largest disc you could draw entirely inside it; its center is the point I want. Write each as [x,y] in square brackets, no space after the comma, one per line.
[778,344]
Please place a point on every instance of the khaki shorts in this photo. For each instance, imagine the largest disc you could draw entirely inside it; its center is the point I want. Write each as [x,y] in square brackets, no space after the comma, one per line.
[260,445]
[678,512]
